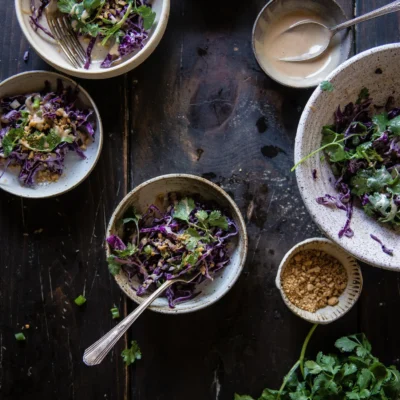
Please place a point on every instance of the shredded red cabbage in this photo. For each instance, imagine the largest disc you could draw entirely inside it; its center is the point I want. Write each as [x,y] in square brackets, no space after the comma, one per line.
[384,248]
[173,244]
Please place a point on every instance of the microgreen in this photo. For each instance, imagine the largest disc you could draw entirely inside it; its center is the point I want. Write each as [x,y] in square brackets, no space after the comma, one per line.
[131,354]
[80,300]
[113,266]
[326,86]
[115,312]
[20,337]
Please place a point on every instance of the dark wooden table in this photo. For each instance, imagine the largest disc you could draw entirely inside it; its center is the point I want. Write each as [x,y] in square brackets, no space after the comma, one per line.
[201,89]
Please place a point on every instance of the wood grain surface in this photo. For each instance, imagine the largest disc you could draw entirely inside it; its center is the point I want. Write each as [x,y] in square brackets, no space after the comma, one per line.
[200,104]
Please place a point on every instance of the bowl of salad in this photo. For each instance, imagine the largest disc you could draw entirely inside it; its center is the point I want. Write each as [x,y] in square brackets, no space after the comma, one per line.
[50,134]
[347,156]
[177,226]
[117,35]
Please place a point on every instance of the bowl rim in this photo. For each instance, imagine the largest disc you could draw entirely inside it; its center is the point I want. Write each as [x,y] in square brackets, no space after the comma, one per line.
[308,316]
[243,239]
[98,117]
[307,112]
[105,73]
[350,32]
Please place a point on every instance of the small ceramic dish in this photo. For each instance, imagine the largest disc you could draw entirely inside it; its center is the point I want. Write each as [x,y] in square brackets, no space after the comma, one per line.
[76,169]
[375,69]
[48,49]
[186,185]
[346,300]
[329,12]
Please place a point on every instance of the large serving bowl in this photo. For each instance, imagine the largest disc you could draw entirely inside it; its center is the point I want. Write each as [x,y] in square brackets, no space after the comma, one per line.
[377,70]
[149,193]
[76,169]
[48,49]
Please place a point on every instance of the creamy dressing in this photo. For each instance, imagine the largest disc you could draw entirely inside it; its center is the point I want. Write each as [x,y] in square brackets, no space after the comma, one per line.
[276,43]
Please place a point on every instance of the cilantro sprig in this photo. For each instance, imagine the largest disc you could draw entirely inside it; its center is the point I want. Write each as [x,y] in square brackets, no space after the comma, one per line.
[353,374]
[131,354]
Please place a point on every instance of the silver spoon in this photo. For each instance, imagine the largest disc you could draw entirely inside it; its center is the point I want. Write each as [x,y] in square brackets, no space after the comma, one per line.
[325,34]
[95,354]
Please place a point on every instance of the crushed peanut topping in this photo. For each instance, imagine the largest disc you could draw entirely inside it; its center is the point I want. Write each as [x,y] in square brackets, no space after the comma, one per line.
[313,280]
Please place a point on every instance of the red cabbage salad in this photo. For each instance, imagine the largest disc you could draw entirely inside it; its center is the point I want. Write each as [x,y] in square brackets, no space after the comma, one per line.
[39,129]
[363,149]
[120,26]
[190,237]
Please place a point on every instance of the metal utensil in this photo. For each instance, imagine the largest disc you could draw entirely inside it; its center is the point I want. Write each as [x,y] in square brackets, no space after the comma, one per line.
[61,29]
[327,33]
[95,354]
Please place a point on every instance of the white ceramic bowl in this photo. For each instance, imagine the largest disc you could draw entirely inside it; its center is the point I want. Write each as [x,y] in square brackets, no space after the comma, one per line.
[146,194]
[377,70]
[76,169]
[346,300]
[332,14]
[52,54]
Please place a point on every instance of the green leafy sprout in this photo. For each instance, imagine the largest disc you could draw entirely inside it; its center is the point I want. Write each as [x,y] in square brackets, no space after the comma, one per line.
[131,354]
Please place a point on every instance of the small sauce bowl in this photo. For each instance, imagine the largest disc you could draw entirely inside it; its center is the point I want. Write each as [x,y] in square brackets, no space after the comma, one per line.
[347,299]
[294,74]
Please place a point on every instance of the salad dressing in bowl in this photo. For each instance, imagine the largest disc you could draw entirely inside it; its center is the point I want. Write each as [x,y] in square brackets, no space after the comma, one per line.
[272,41]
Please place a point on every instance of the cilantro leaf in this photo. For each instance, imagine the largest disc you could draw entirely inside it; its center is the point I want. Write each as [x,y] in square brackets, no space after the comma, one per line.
[313,367]
[148,15]
[364,378]
[359,184]
[11,139]
[130,250]
[242,397]
[193,240]
[363,95]
[379,179]
[131,354]
[113,266]
[346,344]
[378,202]
[190,259]
[183,209]
[93,4]
[216,219]
[202,215]
[381,122]
[336,151]
[267,394]
[38,141]
[394,125]
[66,6]
[366,151]
[326,86]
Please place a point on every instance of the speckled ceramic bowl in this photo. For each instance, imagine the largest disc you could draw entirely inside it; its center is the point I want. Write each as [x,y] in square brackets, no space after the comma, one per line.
[76,169]
[146,194]
[377,70]
[48,49]
[347,299]
[333,15]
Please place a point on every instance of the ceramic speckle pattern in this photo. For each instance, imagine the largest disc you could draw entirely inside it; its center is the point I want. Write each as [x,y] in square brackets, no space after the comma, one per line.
[274,9]
[76,169]
[146,194]
[346,300]
[360,71]
[47,48]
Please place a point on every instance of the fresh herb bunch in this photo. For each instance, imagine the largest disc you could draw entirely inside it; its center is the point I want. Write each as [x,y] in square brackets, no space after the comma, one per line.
[187,238]
[123,23]
[363,149]
[353,374]
[131,354]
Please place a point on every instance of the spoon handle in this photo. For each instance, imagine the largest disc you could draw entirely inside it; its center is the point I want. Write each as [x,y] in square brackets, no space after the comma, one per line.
[389,8]
[95,354]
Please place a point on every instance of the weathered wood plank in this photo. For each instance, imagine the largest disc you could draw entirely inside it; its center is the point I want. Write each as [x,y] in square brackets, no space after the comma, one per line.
[202,89]
[41,274]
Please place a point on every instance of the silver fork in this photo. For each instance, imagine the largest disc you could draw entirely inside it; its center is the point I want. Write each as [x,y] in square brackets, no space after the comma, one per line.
[95,354]
[60,27]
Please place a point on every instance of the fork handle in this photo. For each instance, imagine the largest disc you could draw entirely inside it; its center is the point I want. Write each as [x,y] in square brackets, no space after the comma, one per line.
[389,8]
[95,354]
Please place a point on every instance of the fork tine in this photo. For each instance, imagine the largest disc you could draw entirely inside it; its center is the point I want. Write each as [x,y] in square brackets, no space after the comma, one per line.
[65,39]
[72,39]
[56,33]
